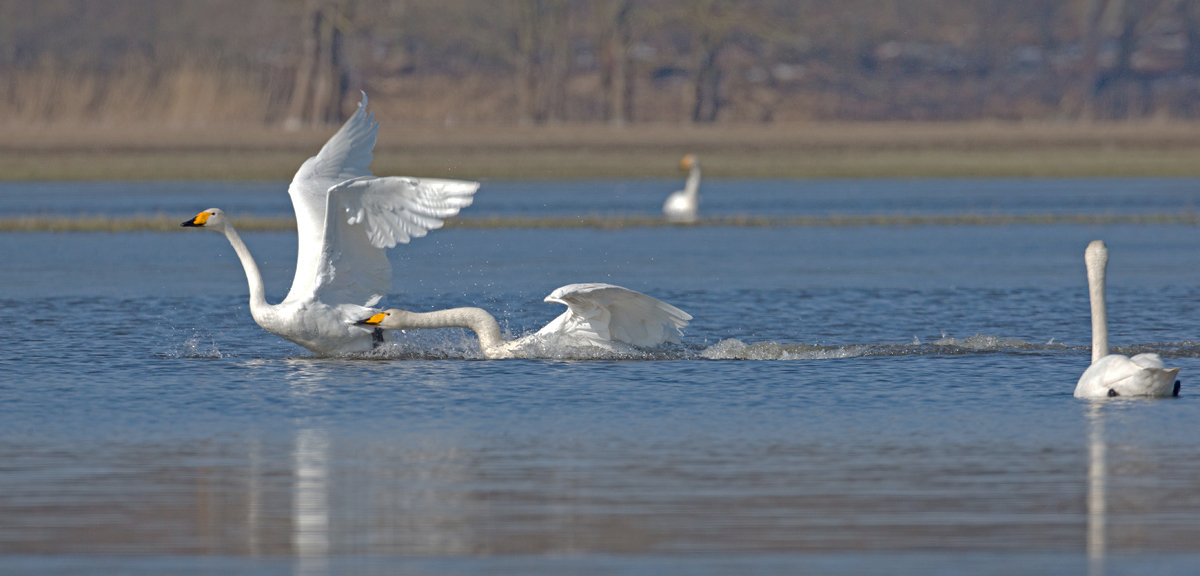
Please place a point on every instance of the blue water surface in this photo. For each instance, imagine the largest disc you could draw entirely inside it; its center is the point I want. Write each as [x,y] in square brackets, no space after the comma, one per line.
[846,400]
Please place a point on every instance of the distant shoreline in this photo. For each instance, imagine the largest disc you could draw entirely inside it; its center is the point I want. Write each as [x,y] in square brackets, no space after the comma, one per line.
[804,150]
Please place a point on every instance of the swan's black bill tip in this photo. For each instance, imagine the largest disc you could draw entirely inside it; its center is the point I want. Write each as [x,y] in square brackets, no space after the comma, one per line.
[1175,392]
[189,223]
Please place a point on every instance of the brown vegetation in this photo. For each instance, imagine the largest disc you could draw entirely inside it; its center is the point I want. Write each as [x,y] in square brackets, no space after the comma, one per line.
[228,89]
[778,150]
[298,63]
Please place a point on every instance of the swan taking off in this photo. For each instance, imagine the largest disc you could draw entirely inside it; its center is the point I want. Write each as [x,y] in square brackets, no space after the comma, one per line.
[345,219]
[681,206]
[598,316]
[1114,374]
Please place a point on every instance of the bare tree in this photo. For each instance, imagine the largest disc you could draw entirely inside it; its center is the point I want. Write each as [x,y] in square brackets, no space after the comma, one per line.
[711,23]
[321,75]
[543,58]
[616,71]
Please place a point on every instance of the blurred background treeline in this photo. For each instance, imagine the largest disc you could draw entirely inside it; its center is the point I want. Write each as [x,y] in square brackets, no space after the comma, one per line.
[301,63]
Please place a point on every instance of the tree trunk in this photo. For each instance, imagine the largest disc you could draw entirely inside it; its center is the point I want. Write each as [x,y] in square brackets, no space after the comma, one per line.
[555,87]
[1091,45]
[615,68]
[323,86]
[304,70]
[708,84]
[527,20]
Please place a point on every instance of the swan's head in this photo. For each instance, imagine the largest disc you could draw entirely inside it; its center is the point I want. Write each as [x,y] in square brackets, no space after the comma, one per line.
[390,319]
[1096,254]
[688,162]
[211,218]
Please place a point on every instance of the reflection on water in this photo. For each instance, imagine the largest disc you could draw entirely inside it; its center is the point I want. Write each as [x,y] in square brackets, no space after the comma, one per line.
[310,502]
[254,503]
[1097,477]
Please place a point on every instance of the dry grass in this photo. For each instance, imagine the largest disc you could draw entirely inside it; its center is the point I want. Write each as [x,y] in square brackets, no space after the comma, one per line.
[167,224]
[85,151]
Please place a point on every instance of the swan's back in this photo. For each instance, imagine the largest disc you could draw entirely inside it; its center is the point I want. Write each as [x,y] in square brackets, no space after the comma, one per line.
[1142,375]
[604,313]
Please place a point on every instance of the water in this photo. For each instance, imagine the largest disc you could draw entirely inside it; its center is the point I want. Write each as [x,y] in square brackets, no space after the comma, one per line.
[847,400]
[645,197]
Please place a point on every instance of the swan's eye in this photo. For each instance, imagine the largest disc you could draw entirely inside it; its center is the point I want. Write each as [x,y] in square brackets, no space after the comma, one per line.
[1112,393]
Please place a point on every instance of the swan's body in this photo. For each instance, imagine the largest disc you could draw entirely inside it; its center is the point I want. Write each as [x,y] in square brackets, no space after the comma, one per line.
[345,219]
[598,316]
[1114,374]
[681,206]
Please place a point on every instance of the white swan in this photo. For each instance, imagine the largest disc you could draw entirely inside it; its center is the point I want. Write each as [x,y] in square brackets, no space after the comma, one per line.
[598,316]
[1114,374]
[681,206]
[345,219]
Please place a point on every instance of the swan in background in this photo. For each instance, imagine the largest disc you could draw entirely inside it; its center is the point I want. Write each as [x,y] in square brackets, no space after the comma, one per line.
[1114,374]
[598,316]
[681,206]
[345,219]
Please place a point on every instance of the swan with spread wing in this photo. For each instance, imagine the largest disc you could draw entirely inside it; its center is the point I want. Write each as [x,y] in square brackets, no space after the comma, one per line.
[345,220]
[598,316]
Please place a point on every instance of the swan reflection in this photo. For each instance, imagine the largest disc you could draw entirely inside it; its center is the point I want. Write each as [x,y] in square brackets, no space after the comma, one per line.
[1097,480]
[310,502]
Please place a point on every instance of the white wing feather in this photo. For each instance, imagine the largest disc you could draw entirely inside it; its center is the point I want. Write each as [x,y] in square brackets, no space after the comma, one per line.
[397,209]
[345,156]
[603,313]
[367,216]
[345,217]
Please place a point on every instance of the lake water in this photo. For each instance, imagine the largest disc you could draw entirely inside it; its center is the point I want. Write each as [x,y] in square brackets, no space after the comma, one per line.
[846,401]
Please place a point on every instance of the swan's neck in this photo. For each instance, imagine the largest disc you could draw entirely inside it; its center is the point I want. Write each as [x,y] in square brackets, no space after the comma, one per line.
[1096,266]
[258,293]
[478,320]
[692,186]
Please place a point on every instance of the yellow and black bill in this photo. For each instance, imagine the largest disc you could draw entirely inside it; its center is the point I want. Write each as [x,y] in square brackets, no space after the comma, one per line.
[373,321]
[199,220]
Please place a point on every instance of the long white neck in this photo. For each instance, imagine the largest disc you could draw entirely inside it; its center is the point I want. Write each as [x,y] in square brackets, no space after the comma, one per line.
[692,186]
[477,320]
[258,293]
[1096,258]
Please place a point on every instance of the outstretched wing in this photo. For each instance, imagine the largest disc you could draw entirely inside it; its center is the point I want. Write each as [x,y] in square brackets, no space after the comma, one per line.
[368,215]
[398,208]
[603,313]
[345,156]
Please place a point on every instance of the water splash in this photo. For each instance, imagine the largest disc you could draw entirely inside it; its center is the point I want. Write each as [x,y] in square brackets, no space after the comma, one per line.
[194,347]
[423,345]
[733,349]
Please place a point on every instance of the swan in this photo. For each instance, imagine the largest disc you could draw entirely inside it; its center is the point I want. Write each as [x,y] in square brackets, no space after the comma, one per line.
[598,316]
[681,206]
[345,219]
[1114,374]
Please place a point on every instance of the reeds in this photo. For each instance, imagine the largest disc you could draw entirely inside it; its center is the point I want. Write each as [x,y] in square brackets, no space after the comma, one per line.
[192,92]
